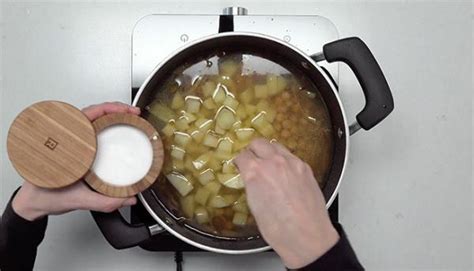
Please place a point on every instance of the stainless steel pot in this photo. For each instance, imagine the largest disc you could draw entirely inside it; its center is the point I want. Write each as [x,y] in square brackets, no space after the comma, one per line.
[352,51]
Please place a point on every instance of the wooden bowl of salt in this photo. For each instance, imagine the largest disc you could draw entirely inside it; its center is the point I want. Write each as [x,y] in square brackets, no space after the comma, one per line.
[52,145]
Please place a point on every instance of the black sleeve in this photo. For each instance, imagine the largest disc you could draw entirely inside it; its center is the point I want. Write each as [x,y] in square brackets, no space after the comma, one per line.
[19,239]
[340,257]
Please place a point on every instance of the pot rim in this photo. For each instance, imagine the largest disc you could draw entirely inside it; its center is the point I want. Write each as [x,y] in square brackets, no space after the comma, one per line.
[311,62]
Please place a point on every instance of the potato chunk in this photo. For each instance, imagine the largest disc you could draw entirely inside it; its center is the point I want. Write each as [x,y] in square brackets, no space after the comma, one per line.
[206,176]
[178,164]
[181,139]
[213,186]
[231,102]
[250,109]
[218,201]
[197,135]
[270,115]
[202,160]
[182,124]
[229,167]
[229,67]
[203,124]
[187,205]
[231,180]
[219,130]
[219,94]
[240,219]
[262,125]
[244,134]
[276,84]
[201,215]
[247,96]
[178,101]
[161,111]
[210,140]
[240,207]
[177,153]
[168,130]
[202,195]
[188,117]
[225,117]
[208,88]
[215,164]
[209,104]
[230,198]
[193,104]
[225,145]
[241,112]
[261,91]
[180,182]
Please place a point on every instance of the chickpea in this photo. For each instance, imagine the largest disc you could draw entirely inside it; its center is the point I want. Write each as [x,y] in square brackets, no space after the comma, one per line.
[295,107]
[229,225]
[285,133]
[278,100]
[282,108]
[294,119]
[280,117]
[303,121]
[277,126]
[285,95]
[295,132]
[219,222]
[287,124]
[292,145]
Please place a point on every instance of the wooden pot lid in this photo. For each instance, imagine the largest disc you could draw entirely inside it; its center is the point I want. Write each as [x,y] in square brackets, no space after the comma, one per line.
[157,161]
[51,144]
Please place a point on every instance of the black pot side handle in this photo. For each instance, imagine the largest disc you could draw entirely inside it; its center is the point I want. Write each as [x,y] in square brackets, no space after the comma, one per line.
[378,97]
[120,233]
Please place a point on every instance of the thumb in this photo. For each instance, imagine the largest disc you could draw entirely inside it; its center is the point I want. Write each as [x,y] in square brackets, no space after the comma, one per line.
[101,203]
[129,202]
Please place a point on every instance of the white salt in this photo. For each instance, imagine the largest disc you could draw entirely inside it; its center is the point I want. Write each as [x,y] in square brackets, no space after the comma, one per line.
[124,155]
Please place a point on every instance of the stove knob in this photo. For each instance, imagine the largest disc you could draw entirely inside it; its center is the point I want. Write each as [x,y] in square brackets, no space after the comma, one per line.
[235,11]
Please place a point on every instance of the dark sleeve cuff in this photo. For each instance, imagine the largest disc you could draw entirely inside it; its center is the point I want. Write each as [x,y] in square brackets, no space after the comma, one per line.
[17,225]
[19,239]
[340,257]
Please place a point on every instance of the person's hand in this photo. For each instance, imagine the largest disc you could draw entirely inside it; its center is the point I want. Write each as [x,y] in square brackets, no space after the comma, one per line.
[286,202]
[32,202]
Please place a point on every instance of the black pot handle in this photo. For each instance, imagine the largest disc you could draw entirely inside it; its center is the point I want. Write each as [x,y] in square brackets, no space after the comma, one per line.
[118,232]
[378,97]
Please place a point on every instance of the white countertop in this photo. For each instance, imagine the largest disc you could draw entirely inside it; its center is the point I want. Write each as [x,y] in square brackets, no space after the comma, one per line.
[406,200]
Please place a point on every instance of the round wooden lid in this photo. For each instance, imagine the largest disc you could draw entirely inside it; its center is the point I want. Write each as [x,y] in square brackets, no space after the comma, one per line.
[152,135]
[52,144]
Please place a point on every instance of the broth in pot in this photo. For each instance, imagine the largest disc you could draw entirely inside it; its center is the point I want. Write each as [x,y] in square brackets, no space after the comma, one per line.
[208,111]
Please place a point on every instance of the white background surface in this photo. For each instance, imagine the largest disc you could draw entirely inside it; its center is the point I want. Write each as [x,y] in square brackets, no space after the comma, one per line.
[406,200]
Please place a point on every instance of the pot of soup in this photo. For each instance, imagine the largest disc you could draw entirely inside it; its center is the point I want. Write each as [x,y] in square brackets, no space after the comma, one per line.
[210,98]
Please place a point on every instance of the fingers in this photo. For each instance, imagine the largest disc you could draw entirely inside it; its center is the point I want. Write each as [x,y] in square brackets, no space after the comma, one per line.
[90,200]
[246,162]
[280,149]
[95,111]
[106,204]
[243,159]
[262,148]
[129,201]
